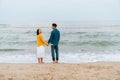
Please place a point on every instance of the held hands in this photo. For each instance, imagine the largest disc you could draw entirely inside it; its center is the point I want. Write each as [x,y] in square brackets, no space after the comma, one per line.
[47,44]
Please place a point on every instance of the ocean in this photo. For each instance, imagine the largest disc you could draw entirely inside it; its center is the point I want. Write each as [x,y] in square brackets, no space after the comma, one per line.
[79,42]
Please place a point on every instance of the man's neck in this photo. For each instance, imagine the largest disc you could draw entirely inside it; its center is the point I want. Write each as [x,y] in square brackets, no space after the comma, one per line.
[54,28]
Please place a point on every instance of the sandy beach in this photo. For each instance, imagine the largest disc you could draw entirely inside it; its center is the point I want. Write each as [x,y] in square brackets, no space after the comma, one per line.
[63,71]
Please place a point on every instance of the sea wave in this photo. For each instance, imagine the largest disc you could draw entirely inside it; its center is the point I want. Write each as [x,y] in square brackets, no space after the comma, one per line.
[92,43]
[69,42]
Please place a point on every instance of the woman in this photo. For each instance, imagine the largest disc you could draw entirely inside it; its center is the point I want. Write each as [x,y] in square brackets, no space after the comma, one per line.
[40,46]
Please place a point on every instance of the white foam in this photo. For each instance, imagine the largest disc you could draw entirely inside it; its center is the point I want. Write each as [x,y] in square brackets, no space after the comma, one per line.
[64,58]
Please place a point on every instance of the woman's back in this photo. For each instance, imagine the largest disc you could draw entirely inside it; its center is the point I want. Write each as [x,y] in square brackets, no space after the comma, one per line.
[40,40]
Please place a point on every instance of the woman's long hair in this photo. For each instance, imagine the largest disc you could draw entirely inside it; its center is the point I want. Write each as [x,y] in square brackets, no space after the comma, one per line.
[37,33]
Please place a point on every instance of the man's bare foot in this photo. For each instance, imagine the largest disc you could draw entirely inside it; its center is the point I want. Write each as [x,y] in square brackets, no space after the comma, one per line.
[53,62]
[56,62]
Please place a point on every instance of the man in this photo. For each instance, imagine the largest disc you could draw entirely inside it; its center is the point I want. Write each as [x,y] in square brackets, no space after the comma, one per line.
[54,41]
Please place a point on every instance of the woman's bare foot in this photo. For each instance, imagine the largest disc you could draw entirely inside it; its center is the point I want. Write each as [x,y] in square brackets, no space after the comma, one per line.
[42,62]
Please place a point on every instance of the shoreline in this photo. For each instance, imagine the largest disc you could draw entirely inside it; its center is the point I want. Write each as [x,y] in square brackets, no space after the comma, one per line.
[62,71]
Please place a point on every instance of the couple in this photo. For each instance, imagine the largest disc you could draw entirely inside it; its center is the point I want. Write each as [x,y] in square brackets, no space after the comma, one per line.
[53,41]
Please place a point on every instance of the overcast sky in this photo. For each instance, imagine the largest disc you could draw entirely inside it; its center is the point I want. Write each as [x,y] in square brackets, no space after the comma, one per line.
[34,11]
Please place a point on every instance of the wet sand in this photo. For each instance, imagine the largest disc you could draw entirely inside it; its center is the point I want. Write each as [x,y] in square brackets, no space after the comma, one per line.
[63,71]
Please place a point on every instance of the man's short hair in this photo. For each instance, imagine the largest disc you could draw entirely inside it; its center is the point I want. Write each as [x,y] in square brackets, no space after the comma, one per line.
[54,24]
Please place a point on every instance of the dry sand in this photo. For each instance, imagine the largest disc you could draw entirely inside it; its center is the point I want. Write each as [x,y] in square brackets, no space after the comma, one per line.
[82,71]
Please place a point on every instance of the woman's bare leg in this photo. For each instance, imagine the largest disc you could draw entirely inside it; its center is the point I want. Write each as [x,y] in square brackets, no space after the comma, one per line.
[39,60]
[42,60]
